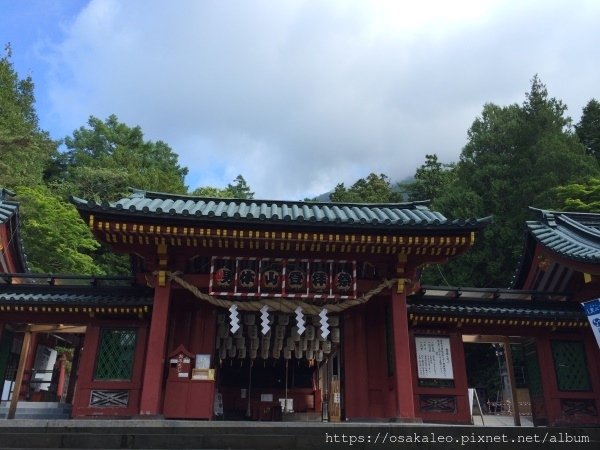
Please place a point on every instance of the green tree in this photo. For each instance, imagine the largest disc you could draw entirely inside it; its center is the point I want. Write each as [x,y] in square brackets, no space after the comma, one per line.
[105,158]
[588,128]
[372,189]
[54,237]
[25,150]
[239,189]
[514,158]
[211,191]
[580,197]
[430,181]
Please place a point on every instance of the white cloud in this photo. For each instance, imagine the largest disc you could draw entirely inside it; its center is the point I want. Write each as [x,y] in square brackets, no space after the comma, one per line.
[300,95]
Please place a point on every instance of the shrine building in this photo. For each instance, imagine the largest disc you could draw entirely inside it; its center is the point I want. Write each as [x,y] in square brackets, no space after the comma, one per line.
[262,310]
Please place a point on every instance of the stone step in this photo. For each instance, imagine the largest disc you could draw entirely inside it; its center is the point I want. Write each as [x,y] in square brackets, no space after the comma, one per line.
[172,434]
[303,417]
[39,416]
[232,437]
[36,405]
[38,410]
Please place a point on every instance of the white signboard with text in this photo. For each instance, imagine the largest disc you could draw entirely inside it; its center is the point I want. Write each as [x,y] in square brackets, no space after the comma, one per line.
[434,359]
[592,310]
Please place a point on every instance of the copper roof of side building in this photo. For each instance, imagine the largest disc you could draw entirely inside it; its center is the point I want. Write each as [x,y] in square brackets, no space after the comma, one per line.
[572,235]
[29,294]
[369,215]
[10,218]
[8,208]
[67,293]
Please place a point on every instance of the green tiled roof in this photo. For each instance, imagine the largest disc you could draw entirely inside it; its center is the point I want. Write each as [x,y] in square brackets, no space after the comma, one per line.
[497,303]
[572,235]
[44,295]
[385,215]
[7,210]
[9,217]
[554,311]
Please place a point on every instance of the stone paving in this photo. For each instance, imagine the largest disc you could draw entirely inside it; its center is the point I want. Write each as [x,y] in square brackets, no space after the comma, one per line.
[501,420]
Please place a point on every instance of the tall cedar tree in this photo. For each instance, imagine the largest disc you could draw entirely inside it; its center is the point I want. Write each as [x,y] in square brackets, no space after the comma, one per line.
[105,158]
[515,157]
[430,181]
[588,128]
[25,150]
[584,194]
[54,237]
[372,189]
[239,189]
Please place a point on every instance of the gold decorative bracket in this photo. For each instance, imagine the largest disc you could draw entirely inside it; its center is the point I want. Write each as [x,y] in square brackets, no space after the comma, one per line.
[161,249]
[402,259]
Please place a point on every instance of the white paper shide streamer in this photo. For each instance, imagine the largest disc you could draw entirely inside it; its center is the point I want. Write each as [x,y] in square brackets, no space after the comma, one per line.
[324,323]
[264,319]
[300,323]
[234,319]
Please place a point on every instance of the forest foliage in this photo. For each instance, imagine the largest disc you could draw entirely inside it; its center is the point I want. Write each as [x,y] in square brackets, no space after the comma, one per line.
[516,156]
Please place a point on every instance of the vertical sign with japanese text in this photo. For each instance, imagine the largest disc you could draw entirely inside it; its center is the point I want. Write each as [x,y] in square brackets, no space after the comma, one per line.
[434,359]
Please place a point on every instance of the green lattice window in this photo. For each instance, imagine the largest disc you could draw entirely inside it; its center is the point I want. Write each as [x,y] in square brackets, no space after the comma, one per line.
[115,354]
[570,366]
[532,367]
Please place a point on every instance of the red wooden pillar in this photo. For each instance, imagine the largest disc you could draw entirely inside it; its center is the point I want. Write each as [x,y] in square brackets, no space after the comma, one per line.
[152,389]
[60,384]
[19,377]
[74,370]
[356,393]
[548,378]
[461,382]
[85,368]
[29,362]
[403,370]
[592,350]
[1,365]
[5,361]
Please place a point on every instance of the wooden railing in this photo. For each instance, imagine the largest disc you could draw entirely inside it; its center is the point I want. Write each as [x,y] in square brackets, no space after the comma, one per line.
[506,408]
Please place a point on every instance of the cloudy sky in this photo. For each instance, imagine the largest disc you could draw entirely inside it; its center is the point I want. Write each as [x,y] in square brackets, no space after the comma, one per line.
[299,95]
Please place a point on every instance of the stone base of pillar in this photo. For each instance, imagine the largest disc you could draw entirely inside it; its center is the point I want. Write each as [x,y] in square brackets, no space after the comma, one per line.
[406,420]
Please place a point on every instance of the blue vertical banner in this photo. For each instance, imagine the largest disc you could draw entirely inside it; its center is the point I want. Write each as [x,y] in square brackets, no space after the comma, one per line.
[592,310]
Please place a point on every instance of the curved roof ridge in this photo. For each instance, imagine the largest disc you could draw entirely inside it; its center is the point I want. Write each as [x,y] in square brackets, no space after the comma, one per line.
[544,213]
[375,215]
[136,193]
[8,208]
[571,223]
[10,215]
[575,235]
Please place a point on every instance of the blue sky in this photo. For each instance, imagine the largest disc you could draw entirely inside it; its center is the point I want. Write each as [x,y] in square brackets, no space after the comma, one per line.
[32,27]
[299,95]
